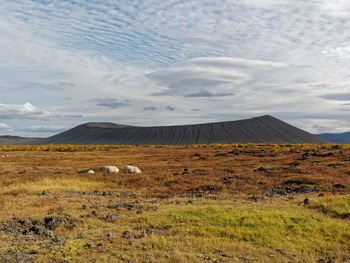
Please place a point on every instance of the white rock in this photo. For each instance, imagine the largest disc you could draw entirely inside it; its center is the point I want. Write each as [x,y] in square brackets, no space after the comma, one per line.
[111,169]
[132,169]
[91,172]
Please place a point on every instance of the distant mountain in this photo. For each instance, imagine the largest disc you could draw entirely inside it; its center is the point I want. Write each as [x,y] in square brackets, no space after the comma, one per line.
[336,137]
[265,129]
[15,140]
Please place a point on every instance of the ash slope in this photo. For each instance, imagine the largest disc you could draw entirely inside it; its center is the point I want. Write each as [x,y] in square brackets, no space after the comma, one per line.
[265,129]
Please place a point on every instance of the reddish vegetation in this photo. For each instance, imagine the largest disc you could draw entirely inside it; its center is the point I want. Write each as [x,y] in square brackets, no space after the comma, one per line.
[179,170]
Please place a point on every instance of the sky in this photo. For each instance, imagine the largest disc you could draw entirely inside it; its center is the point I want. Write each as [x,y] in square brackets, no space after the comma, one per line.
[156,62]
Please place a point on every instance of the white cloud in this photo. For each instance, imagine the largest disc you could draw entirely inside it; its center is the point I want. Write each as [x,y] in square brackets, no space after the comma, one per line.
[4,126]
[25,111]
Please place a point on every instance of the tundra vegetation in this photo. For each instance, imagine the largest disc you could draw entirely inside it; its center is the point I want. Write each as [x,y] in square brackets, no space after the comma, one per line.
[196,203]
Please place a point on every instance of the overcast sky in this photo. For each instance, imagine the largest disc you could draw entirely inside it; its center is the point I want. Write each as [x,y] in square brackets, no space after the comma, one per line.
[156,62]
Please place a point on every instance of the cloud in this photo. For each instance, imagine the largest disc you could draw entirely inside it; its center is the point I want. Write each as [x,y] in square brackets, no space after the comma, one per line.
[112,103]
[31,112]
[46,129]
[25,111]
[210,76]
[275,57]
[170,108]
[4,126]
[205,93]
[337,96]
[150,108]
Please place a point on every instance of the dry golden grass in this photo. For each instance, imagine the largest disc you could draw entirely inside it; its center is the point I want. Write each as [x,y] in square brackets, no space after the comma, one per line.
[225,210]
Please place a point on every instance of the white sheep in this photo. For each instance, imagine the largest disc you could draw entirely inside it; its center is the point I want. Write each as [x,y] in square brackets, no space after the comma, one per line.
[111,169]
[91,172]
[132,169]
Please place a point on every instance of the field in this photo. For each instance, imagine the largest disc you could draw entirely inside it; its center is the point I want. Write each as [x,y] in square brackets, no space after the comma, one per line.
[199,203]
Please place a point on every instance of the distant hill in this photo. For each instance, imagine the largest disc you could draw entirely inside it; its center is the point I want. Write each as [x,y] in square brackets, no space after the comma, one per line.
[336,137]
[265,129]
[15,140]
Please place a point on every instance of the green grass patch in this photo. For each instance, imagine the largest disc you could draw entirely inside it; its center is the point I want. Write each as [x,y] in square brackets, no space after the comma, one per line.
[282,228]
[336,207]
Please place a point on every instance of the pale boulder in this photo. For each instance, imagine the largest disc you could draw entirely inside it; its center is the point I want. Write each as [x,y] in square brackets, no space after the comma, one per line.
[91,172]
[111,169]
[132,169]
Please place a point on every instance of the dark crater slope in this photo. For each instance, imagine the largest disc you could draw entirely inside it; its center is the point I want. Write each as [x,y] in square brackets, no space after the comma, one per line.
[265,129]
[336,137]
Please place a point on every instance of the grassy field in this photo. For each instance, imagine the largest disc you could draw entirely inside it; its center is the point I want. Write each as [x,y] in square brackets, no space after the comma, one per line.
[199,203]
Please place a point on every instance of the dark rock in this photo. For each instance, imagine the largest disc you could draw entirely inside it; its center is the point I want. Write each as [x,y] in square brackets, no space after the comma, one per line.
[111,235]
[139,212]
[155,232]
[128,234]
[306,201]
[261,169]
[321,195]
[186,171]
[227,180]
[41,231]
[111,217]
[197,155]
[10,228]
[17,257]
[83,207]
[87,246]
[339,186]
[25,222]
[60,240]
[54,222]
[104,194]
[94,213]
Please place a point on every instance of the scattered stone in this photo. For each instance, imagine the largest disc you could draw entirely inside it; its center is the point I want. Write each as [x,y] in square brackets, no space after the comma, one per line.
[139,212]
[87,246]
[321,195]
[25,222]
[60,240]
[197,155]
[91,172]
[44,193]
[17,257]
[41,231]
[111,235]
[339,186]
[54,222]
[128,234]
[94,213]
[111,218]
[306,201]
[305,156]
[227,179]
[104,194]
[186,171]
[83,207]
[155,232]
[202,158]
[261,169]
